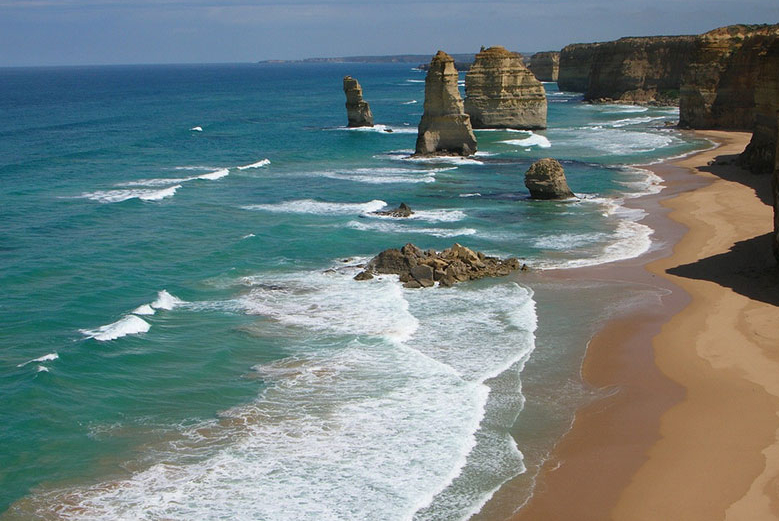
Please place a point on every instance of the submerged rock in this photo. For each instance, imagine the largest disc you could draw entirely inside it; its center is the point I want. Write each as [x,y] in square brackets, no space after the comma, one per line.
[546,180]
[445,128]
[401,211]
[419,268]
[357,109]
[502,93]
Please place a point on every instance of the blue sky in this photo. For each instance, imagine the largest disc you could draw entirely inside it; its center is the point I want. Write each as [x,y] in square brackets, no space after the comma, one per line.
[79,32]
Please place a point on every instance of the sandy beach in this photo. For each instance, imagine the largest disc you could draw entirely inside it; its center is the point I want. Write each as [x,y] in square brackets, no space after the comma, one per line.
[689,429]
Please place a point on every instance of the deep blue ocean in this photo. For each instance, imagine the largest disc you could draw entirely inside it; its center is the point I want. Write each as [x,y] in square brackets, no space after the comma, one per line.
[180,334]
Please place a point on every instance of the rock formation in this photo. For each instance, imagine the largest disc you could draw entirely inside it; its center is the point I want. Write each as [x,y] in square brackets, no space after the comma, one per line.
[445,128]
[760,154]
[357,109]
[401,211]
[423,268]
[546,180]
[545,65]
[502,93]
[718,88]
[775,190]
[575,64]
[640,70]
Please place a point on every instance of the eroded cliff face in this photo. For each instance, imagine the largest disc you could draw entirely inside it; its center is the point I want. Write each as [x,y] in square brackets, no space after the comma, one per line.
[358,112]
[502,93]
[760,154]
[775,184]
[445,128]
[545,65]
[718,87]
[575,63]
[642,70]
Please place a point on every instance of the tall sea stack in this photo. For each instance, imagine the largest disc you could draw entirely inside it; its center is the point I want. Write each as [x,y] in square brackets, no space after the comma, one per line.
[545,65]
[357,109]
[445,128]
[502,93]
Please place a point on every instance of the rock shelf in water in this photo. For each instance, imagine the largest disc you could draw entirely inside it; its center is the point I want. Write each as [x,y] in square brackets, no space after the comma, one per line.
[419,268]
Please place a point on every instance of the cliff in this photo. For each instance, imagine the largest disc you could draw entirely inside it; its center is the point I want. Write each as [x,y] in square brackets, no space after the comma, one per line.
[445,128]
[718,88]
[575,64]
[643,70]
[502,93]
[775,190]
[358,111]
[760,154]
[545,65]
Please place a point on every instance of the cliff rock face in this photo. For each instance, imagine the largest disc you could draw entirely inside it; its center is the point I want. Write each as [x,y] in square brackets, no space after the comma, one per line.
[760,154]
[502,93]
[575,64]
[357,110]
[775,184]
[718,88]
[546,180]
[445,128]
[642,70]
[545,65]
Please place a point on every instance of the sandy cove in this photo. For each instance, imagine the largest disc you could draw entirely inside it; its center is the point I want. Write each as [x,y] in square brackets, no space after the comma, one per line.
[690,430]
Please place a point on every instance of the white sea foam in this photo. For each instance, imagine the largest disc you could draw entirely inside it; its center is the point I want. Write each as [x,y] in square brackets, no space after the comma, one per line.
[45,358]
[415,81]
[258,164]
[630,121]
[41,369]
[166,301]
[383,129]
[197,129]
[396,227]
[127,325]
[248,236]
[613,141]
[161,181]
[566,241]
[309,206]
[442,215]
[534,140]
[412,102]
[472,194]
[384,175]
[451,160]
[117,196]
[216,174]
[145,309]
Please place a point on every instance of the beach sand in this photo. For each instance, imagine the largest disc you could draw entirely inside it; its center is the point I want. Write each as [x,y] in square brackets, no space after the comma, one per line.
[689,429]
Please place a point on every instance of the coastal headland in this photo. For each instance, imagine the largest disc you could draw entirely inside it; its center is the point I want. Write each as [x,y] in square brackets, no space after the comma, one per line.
[688,429]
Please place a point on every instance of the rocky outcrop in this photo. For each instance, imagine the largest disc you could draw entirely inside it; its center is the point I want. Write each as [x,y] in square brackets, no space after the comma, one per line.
[402,211]
[575,64]
[546,180]
[502,93]
[545,65]
[760,154]
[640,70]
[423,268]
[718,88]
[357,109]
[445,128]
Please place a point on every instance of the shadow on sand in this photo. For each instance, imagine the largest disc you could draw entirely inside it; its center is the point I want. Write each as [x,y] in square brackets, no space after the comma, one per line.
[749,267]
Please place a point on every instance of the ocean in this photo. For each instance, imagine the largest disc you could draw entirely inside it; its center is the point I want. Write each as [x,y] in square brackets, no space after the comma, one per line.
[181,336]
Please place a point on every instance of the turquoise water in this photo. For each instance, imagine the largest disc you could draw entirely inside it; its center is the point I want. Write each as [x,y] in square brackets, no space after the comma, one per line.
[181,335]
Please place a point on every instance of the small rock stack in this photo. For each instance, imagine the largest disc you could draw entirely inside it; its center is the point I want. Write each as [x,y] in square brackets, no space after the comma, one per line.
[546,180]
[419,268]
[358,111]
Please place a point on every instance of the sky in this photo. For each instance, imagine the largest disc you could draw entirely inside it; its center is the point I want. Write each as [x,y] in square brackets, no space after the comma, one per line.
[97,32]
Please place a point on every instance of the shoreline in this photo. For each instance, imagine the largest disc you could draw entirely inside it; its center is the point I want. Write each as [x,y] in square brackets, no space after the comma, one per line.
[636,453]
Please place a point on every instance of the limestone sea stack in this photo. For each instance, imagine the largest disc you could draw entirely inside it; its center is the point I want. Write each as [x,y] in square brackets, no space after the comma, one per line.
[502,93]
[357,109]
[445,128]
[546,180]
[545,65]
